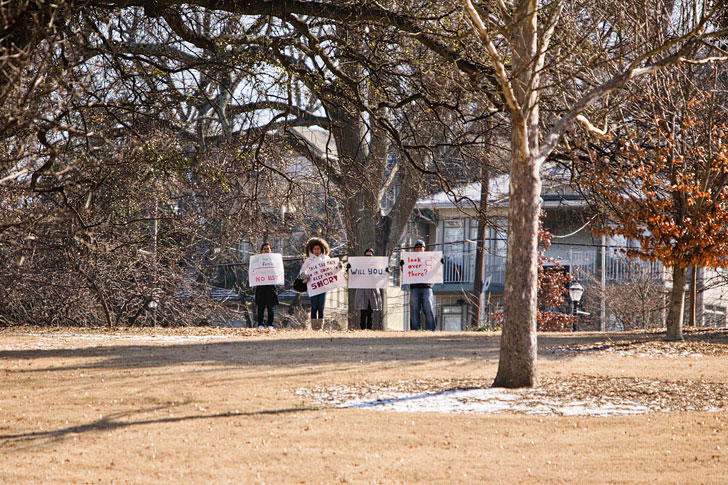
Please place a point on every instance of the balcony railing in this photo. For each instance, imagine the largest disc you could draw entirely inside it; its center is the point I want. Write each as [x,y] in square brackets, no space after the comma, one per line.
[460,268]
[617,268]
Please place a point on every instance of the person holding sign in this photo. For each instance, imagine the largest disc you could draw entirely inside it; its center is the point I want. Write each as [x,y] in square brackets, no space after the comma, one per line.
[317,251]
[421,296]
[367,300]
[266,296]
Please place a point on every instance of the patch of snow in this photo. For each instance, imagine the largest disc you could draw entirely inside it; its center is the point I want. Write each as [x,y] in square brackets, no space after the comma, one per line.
[575,395]
[493,401]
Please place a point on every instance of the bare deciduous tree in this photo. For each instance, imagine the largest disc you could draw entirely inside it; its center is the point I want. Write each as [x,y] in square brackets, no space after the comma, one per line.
[569,56]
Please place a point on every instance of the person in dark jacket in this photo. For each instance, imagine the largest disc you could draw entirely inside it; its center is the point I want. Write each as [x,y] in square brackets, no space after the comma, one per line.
[266,296]
[367,301]
[421,299]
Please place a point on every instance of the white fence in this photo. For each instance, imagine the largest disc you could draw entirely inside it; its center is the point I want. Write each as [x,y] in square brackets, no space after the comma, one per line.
[584,265]
[587,266]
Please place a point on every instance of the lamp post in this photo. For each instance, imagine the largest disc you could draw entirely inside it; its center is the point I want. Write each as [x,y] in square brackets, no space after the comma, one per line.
[575,293]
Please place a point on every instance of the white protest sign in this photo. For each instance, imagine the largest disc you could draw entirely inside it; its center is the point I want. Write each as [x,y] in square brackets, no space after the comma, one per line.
[266,269]
[324,275]
[368,272]
[422,267]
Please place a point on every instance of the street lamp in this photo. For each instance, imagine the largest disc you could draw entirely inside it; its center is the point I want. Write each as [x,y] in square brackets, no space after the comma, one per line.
[575,293]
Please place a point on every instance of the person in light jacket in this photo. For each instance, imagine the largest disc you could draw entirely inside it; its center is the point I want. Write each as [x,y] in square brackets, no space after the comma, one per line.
[367,301]
[316,249]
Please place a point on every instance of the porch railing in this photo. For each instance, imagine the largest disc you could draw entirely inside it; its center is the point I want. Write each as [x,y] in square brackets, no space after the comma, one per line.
[617,268]
[460,268]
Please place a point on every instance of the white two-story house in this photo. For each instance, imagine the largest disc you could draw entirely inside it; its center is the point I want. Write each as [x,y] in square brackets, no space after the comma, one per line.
[447,222]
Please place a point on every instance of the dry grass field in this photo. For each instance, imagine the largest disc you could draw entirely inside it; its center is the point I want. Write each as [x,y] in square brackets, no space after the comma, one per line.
[218,405]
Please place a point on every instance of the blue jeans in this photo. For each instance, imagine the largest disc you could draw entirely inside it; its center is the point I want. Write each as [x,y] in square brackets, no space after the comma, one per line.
[317,305]
[271,313]
[421,299]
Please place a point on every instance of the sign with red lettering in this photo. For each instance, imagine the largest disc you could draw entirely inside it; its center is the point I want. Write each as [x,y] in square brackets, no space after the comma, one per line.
[265,269]
[324,275]
[422,267]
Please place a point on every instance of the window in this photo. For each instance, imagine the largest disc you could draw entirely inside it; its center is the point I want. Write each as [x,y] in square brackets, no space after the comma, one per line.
[497,237]
[714,316]
[452,318]
[453,233]
[453,244]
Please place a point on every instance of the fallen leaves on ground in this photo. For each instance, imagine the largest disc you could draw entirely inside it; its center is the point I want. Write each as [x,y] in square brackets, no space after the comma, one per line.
[697,343]
[573,395]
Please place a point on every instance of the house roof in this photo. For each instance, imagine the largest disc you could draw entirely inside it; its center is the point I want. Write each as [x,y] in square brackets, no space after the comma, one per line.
[556,192]
[319,141]
[466,195]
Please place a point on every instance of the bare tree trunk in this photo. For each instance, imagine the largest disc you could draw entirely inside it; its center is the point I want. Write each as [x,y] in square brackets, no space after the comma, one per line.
[352,314]
[693,295]
[674,320]
[480,248]
[700,298]
[366,225]
[380,318]
[517,363]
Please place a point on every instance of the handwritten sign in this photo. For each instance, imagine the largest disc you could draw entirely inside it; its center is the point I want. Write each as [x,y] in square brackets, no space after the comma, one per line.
[265,269]
[368,272]
[324,275]
[422,267]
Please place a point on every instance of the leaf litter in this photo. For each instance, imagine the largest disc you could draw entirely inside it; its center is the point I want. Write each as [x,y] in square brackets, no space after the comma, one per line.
[555,396]
[575,395]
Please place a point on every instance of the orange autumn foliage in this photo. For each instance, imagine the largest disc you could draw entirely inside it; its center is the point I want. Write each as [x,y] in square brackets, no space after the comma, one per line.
[668,192]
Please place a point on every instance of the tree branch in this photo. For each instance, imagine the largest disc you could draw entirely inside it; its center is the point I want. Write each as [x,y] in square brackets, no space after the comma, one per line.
[495,58]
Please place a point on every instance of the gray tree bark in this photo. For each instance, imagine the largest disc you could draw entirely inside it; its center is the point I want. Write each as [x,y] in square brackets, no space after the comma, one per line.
[517,363]
[362,183]
[480,246]
[676,309]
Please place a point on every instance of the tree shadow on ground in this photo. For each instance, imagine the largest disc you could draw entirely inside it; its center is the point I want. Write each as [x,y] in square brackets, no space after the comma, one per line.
[288,352]
[262,351]
[282,352]
[121,420]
